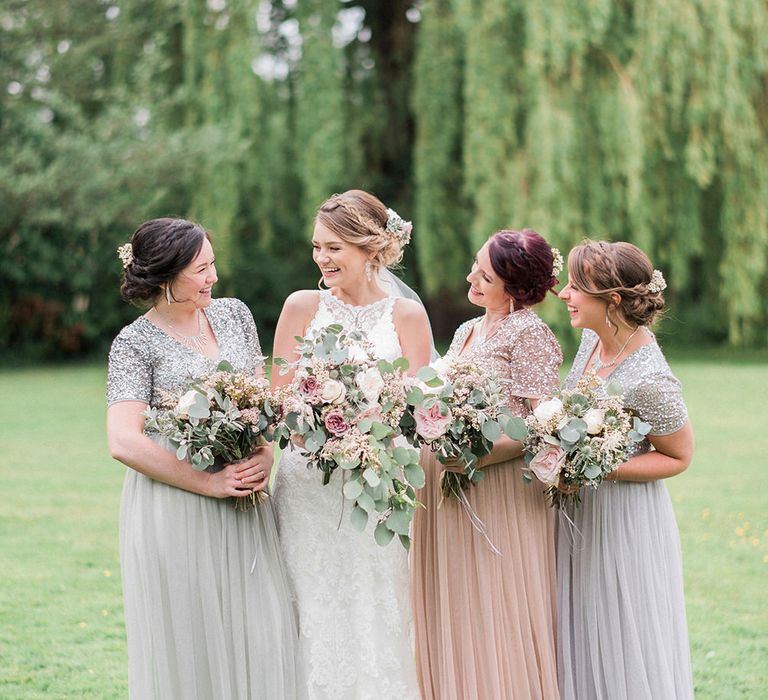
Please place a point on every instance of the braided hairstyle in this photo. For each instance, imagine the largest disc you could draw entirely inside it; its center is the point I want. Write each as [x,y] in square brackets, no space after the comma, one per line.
[360,218]
[600,269]
[523,261]
[161,248]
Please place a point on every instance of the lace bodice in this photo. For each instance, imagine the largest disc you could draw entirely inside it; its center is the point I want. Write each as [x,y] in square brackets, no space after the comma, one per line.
[374,320]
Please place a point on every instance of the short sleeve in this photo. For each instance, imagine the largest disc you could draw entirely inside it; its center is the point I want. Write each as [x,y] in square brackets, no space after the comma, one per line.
[658,401]
[129,372]
[253,346]
[535,363]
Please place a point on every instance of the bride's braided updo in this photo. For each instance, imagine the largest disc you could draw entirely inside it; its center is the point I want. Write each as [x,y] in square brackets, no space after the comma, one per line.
[360,218]
[600,268]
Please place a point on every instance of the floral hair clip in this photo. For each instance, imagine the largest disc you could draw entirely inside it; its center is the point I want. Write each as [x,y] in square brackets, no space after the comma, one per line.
[557,262]
[657,283]
[399,227]
[125,253]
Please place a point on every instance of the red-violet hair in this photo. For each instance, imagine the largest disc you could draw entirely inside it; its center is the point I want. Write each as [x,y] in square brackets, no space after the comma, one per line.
[523,262]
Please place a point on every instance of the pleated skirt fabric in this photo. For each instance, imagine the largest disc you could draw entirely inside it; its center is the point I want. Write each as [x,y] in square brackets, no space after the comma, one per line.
[485,622]
[207,606]
[622,624]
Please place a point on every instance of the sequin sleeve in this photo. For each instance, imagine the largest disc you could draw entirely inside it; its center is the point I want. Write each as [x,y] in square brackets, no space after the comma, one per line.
[658,400]
[129,371]
[252,343]
[535,362]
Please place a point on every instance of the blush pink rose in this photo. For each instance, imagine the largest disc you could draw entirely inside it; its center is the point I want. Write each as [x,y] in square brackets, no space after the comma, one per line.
[308,387]
[336,423]
[547,464]
[430,424]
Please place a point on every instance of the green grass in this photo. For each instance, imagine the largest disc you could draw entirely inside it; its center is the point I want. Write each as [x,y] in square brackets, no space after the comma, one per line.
[61,619]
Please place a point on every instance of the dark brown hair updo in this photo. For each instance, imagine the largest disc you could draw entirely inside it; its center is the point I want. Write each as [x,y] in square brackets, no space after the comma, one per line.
[600,269]
[523,261]
[161,249]
[360,218]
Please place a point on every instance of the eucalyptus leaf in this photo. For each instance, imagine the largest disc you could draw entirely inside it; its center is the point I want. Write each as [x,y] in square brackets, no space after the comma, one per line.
[371,477]
[415,396]
[367,503]
[491,430]
[426,374]
[401,455]
[359,518]
[415,475]
[399,521]
[383,535]
[352,489]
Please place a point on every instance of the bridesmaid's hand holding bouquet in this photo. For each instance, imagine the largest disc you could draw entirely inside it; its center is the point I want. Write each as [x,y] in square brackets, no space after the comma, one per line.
[578,436]
[222,418]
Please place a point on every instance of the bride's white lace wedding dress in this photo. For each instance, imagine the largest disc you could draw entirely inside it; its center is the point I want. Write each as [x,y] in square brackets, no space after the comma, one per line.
[352,595]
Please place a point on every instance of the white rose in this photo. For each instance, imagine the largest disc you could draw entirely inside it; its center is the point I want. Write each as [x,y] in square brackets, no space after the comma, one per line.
[185,403]
[441,365]
[594,418]
[370,383]
[546,410]
[333,391]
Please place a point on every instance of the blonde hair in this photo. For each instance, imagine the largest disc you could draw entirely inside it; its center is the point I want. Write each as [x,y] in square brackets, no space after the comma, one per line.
[360,218]
[600,269]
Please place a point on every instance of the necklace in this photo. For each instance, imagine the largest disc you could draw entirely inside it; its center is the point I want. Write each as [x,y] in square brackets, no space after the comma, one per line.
[598,364]
[195,342]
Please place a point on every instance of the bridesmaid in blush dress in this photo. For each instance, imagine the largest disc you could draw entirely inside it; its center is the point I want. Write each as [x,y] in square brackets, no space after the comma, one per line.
[622,633]
[485,622]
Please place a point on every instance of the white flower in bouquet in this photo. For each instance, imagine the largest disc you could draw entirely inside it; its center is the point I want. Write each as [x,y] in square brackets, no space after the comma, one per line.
[333,391]
[441,365]
[547,410]
[185,403]
[370,383]
[357,353]
[594,418]
[547,464]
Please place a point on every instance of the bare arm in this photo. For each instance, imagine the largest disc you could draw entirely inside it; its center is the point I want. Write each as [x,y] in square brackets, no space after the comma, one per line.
[671,455]
[128,444]
[413,331]
[298,310]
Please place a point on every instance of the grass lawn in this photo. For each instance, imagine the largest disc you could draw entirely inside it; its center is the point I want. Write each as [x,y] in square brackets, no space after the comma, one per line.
[61,619]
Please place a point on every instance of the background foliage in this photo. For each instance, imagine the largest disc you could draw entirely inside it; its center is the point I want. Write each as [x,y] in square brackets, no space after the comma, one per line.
[644,121]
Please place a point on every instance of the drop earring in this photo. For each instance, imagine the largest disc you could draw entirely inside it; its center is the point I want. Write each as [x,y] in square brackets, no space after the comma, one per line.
[168,294]
[608,321]
[368,270]
[320,285]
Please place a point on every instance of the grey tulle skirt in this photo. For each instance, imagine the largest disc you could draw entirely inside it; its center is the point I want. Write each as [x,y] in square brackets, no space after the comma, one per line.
[622,632]
[207,607]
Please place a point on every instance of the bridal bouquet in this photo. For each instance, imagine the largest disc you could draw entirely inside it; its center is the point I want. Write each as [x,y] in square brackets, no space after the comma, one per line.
[222,418]
[578,436]
[459,411]
[345,409]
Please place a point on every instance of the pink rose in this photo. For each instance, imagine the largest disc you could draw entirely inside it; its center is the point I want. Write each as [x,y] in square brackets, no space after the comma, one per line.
[547,464]
[308,387]
[430,424]
[374,413]
[336,423]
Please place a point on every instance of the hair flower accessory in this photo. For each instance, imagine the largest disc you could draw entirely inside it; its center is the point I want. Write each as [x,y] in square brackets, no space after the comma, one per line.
[657,283]
[125,253]
[399,227]
[557,262]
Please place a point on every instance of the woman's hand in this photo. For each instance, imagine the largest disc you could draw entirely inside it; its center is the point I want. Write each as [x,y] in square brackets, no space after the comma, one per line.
[454,464]
[225,483]
[255,471]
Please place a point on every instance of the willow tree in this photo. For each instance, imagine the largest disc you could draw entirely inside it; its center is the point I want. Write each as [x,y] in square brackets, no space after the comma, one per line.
[320,106]
[644,122]
[440,209]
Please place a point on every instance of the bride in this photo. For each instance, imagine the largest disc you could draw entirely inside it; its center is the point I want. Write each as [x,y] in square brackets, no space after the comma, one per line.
[352,595]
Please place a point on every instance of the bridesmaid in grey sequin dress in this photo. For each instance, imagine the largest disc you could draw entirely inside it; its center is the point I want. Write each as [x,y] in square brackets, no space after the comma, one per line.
[207,607]
[622,625]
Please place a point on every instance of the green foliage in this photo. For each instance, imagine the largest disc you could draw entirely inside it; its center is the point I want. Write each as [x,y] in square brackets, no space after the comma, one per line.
[644,122]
